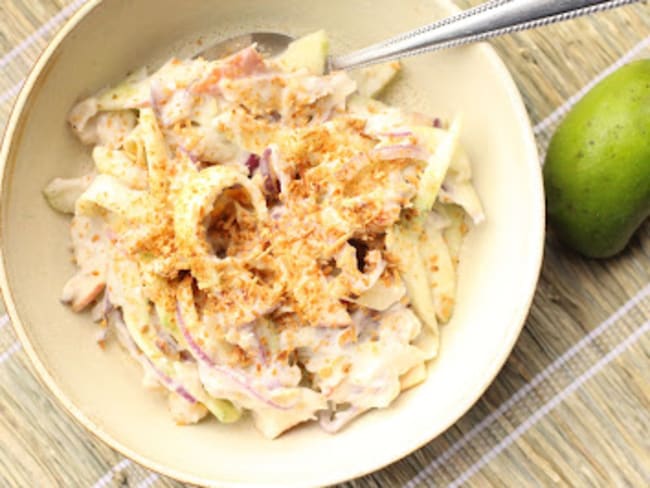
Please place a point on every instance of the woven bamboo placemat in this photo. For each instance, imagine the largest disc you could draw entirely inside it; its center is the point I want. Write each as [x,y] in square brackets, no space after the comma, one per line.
[570,408]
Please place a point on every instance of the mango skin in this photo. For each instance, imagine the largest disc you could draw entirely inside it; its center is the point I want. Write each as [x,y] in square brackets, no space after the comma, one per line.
[597,169]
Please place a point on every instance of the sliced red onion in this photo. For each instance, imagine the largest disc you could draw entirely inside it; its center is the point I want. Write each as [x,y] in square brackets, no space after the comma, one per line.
[189,154]
[108,306]
[400,151]
[172,385]
[205,358]
[262,352]
[157,97]
[252,163]
[186,394]
[271,184]
[132,347]
[118,322]
[102,308]
[277,212]
[402,133]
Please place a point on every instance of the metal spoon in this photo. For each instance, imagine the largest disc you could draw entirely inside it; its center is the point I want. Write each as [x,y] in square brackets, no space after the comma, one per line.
[491,19]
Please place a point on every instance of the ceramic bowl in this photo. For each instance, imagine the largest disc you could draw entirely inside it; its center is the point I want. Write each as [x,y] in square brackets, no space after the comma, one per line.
[102,388]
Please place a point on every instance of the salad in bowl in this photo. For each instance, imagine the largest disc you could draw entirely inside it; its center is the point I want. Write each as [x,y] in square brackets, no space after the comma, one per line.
[263,237]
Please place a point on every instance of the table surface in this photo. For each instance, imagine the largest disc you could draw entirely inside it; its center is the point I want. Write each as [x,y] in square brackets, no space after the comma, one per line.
[572,405]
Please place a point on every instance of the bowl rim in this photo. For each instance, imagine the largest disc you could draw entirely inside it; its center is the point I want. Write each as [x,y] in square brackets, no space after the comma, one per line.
[534,264]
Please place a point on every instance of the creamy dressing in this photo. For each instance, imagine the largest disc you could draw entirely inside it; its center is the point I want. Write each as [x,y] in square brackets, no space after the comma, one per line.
[265,239]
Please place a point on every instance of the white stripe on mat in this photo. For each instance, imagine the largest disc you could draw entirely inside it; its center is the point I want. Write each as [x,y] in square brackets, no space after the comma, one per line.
[563,109]
[108,477]
[529,387]
[4,321]
[11,92]
[43,30]
[148,481]
[548,406]
[13,349]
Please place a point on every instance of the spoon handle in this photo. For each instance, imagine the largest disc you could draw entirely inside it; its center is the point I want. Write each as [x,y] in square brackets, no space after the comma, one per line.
[491,19]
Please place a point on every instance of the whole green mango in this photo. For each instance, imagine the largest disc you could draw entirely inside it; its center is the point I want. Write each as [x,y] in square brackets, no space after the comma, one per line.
[597,168]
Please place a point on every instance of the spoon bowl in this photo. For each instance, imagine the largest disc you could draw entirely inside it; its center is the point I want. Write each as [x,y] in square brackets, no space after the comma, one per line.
[269,44]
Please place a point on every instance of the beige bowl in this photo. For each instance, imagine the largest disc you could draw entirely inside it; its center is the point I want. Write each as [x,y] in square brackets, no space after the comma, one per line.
[101,389]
